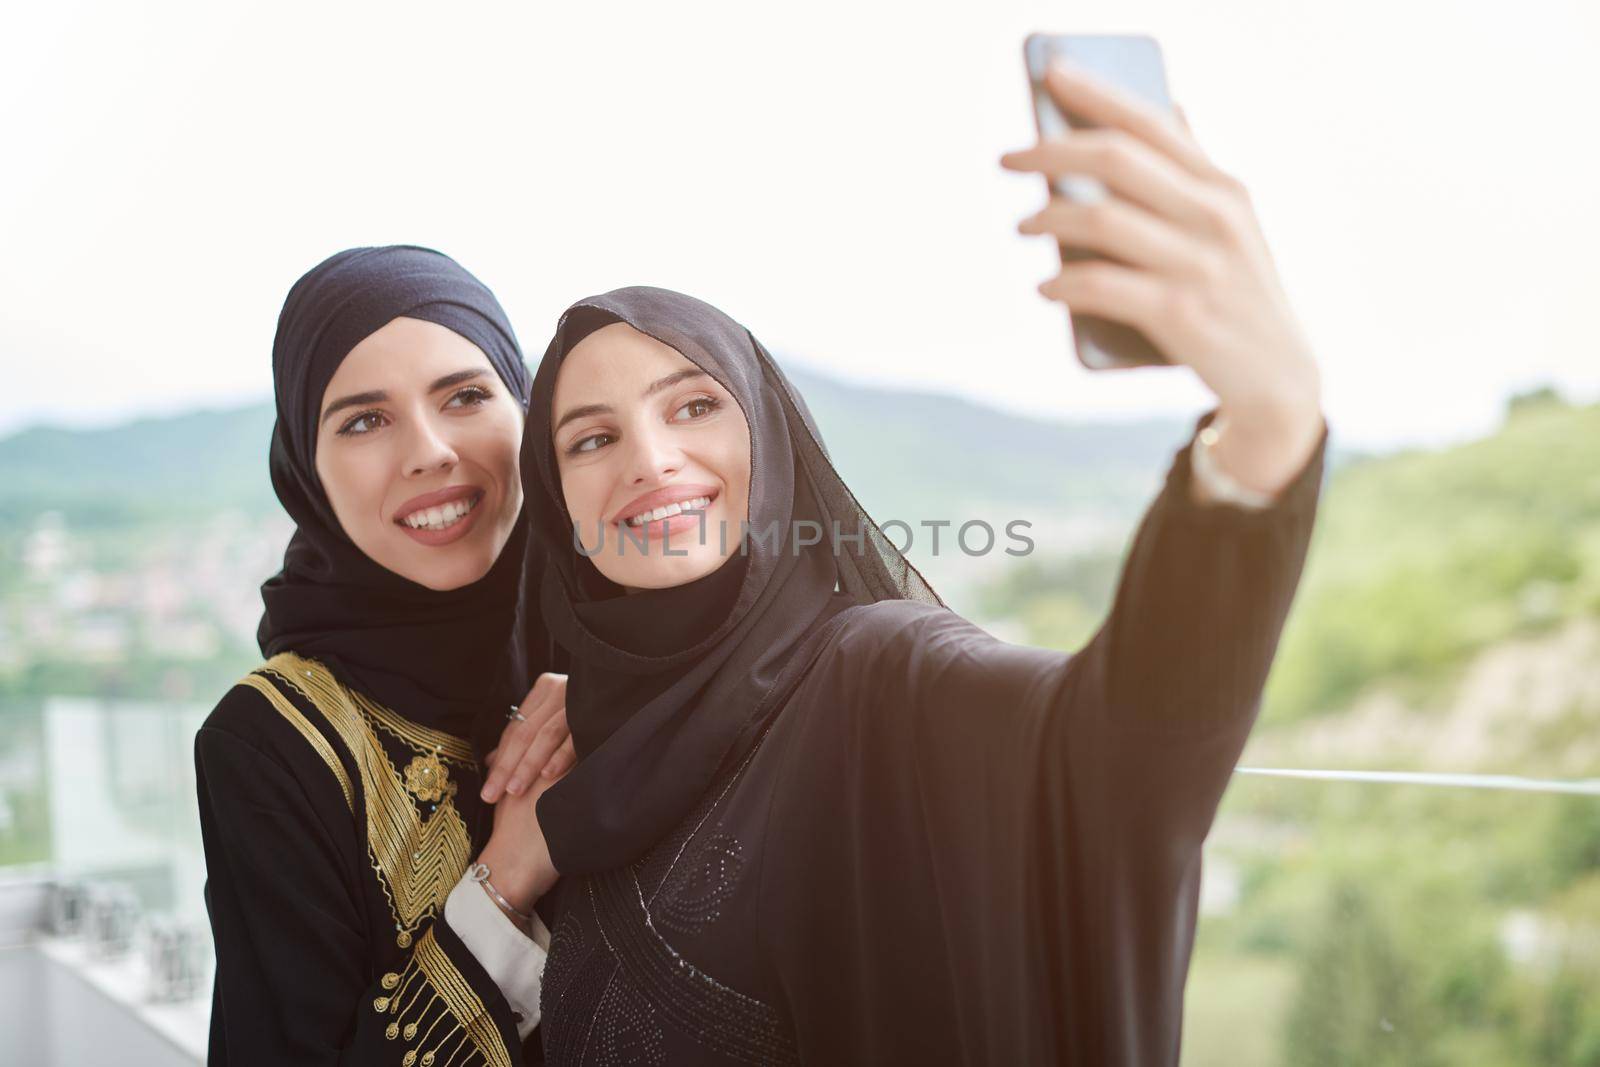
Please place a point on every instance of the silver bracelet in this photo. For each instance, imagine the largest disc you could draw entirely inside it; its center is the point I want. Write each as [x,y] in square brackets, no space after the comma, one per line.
[1219,485]
[479,872]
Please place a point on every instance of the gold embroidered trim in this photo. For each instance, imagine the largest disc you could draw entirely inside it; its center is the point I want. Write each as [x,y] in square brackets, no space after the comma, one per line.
[313,736]
[463,1003]
[417,861]
[446,746]
[442,997]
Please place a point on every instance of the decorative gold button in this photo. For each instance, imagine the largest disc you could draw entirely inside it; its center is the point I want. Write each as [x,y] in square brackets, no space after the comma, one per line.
[427,778]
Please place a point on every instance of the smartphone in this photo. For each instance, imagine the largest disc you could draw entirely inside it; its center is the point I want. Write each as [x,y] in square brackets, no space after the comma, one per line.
[1133,63]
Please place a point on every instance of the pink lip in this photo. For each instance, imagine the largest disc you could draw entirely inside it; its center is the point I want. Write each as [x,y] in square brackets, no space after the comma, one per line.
[435,499]
[672,494]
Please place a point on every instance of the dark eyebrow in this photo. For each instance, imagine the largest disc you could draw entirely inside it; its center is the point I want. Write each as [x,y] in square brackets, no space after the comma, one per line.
[457,378]
[354,400]
[377,396]
[585,410]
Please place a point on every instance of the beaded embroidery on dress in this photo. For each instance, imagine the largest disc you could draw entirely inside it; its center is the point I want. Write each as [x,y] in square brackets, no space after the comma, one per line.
[614,980]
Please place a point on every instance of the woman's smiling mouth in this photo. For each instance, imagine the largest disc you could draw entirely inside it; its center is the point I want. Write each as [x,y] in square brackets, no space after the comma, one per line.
[666,513]
[699,503]
[441,517]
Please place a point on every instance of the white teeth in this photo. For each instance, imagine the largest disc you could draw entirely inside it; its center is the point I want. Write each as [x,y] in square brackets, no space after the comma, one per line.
[441,517]
[666,512]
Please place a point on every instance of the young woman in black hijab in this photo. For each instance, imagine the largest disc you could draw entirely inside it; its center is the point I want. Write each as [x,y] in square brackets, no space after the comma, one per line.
[816,815]
[339,796]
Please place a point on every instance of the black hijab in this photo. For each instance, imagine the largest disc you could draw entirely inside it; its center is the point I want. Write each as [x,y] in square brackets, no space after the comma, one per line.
[656,710]
[436,657]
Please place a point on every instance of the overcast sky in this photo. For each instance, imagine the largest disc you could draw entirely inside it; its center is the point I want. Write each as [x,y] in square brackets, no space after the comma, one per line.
[1425,173]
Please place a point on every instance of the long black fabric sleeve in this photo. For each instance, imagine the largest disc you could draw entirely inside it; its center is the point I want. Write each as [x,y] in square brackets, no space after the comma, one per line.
[1201,601]
[299,978]
[1166,695]
[1021,826]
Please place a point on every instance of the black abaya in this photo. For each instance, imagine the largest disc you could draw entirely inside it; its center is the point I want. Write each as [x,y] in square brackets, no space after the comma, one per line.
[935,846]
[948,848]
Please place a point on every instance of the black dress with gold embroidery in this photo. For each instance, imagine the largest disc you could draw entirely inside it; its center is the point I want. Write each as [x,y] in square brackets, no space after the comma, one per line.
[334,829]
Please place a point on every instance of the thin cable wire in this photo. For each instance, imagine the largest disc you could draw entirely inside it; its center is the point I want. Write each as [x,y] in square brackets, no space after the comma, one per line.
[1584,786]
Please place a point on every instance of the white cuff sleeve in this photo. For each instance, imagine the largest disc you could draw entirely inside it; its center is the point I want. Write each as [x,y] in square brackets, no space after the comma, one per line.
[513,960]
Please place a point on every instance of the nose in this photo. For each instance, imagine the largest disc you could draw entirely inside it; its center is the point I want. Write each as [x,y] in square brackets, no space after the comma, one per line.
[655,457]
[428,450]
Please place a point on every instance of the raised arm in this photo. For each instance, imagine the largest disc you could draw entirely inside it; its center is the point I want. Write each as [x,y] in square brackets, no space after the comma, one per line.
[1043,809]
[1182,258]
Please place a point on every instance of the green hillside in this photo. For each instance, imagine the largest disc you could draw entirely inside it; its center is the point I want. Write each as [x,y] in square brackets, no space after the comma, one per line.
[1423,925]
[1419,559]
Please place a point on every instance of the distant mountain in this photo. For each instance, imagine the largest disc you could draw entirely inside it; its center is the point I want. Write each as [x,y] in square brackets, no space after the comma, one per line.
[150,470]
[915,455]
[907,455]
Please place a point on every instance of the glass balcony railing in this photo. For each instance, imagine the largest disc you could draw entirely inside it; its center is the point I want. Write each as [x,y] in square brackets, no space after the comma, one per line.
[101,883]
[1372,917]
[1348,917]
[104,792]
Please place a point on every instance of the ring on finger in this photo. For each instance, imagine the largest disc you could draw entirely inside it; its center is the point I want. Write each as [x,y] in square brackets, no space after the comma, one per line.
[515,714]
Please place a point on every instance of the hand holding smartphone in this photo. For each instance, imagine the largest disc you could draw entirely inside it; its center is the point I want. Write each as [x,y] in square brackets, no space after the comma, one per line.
[1178,270]
[1134,64]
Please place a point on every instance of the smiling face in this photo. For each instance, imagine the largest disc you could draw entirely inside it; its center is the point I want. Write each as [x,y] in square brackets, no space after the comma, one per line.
[417,444]
[647,445]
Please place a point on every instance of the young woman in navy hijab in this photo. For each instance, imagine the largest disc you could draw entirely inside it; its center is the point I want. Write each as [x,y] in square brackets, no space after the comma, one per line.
[364,907]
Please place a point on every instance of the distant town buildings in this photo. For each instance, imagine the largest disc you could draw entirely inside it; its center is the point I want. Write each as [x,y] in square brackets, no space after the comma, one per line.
[183,593]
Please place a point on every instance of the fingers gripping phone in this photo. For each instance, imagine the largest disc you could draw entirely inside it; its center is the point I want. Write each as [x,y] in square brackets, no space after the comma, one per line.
[1133,63]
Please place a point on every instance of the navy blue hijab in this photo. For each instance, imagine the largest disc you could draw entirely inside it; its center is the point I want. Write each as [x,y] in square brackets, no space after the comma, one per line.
[439,658]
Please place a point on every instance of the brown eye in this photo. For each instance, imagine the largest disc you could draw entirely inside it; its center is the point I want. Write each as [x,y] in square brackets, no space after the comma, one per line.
[357,425]
[582,444]
[703,406]
[470,397]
